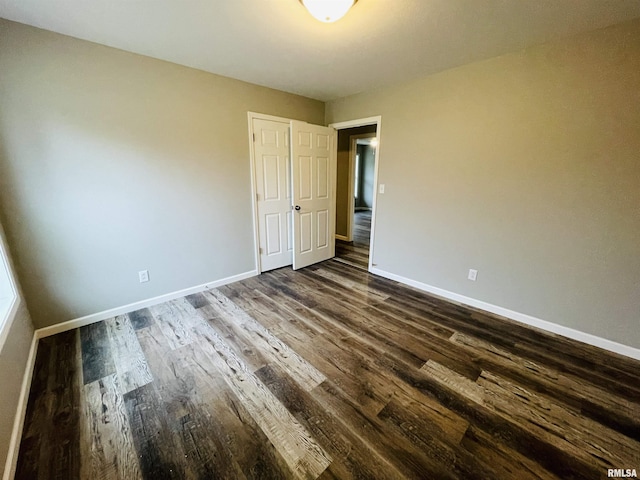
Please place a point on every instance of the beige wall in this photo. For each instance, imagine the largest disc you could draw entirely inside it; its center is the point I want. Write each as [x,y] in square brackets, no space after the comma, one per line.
[342,181]
[526,168]
[111,163]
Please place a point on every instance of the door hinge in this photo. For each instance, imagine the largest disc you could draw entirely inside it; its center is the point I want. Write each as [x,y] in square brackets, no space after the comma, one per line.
[257,197]
[254,137]
[260,250]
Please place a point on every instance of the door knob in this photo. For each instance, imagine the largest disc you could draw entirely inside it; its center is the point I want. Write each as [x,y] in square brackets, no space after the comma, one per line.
[297,207]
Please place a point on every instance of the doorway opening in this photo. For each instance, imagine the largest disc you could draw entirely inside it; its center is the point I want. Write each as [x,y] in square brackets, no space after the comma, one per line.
[357,172]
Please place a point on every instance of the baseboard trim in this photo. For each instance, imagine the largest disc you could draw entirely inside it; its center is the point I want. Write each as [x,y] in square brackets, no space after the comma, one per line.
[571,333]
[342,237]
[21,411]
[98,317]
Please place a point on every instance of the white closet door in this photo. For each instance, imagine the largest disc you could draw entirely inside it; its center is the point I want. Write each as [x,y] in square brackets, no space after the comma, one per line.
[273,189]
[313,177]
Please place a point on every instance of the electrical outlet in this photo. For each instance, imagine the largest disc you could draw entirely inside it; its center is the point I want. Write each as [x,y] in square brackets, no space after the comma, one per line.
[143,275]
[381,188]
[473,274]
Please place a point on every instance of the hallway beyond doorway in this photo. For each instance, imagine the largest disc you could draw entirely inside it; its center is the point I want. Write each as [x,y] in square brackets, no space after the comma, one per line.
[356,253]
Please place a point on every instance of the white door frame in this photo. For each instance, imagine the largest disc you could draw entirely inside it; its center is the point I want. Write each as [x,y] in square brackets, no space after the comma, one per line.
[361,122]
[254,190]
[353,150]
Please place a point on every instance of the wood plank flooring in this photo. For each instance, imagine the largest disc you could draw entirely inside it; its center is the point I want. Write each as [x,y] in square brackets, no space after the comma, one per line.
[330,373]
[356,253]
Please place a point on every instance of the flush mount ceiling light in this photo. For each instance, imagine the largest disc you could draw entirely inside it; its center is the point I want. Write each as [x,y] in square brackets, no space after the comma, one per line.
[328,11]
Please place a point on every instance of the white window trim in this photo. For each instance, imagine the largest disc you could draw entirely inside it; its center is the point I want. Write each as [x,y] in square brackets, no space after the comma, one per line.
[9,299]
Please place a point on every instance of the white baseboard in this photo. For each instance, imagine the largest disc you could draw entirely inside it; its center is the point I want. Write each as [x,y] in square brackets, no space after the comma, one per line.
[98,317]
[588,338]
[21,411]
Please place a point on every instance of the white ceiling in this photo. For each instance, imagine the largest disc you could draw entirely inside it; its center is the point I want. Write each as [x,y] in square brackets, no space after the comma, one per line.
[278,44]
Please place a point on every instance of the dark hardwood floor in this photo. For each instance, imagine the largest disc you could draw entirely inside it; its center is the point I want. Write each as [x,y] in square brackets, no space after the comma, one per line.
[327,372]
[356,253]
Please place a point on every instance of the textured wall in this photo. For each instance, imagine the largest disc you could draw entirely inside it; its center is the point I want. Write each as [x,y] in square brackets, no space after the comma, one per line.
[111,163]
[526,168]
